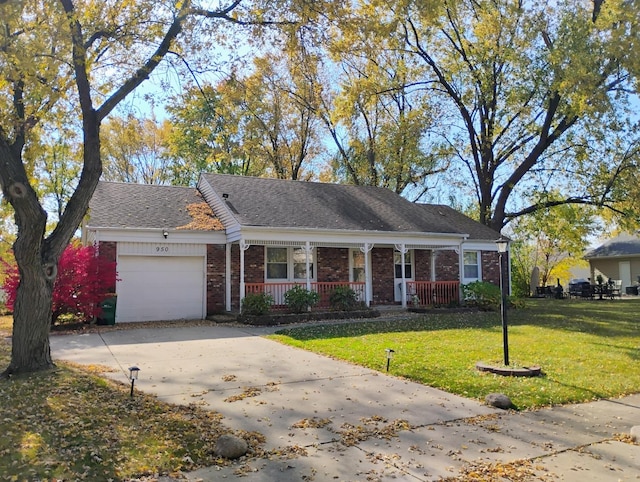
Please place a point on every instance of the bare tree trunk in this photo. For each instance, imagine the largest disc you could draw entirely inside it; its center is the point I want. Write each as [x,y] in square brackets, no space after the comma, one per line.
[31,322]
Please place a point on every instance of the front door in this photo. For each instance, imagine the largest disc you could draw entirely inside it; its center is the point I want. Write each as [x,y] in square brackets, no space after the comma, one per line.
[408,272]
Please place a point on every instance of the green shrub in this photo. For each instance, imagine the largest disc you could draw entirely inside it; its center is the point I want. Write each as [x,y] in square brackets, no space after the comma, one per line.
[343,298]
[257,304]
[484,295]
[300,299]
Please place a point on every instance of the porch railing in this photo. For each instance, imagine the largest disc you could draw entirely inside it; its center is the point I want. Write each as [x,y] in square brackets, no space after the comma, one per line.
[433,293]
[277,291]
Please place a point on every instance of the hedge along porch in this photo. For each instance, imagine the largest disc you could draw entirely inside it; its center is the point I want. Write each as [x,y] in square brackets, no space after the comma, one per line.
[234,235]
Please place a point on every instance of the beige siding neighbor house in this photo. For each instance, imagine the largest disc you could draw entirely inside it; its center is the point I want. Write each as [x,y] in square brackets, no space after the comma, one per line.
[617,259]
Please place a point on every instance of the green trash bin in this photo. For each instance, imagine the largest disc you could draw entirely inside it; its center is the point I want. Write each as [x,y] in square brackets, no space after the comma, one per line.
[108,315]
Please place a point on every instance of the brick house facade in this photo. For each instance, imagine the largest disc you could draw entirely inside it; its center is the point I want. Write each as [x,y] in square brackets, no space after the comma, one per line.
[174,262]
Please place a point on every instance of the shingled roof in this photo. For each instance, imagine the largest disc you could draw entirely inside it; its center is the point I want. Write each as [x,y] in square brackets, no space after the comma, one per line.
[268,202]
[620,246]
[128,205]
[462,223]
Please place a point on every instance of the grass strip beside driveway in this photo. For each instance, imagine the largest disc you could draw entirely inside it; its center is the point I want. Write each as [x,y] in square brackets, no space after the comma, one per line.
[587,349]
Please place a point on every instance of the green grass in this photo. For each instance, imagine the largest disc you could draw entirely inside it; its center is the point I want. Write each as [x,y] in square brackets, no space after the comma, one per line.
[587,349]
[71,424]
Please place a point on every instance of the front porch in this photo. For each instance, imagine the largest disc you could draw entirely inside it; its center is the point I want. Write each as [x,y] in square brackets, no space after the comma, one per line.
[418,293]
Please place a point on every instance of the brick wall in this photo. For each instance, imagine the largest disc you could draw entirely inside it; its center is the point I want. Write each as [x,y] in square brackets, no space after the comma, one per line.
[422,265]
[253,265]
[253,270]
[382,273]
[216,259]
[447,265]
[109,250]
[332,264]
[491,267]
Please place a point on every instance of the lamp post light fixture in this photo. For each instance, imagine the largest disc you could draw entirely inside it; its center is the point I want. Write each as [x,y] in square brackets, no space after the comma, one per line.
[389,353]
[133,376]
[503,244]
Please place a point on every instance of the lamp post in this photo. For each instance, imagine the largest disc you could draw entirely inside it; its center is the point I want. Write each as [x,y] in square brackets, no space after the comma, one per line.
[503,244]
[133,376]
[389,353]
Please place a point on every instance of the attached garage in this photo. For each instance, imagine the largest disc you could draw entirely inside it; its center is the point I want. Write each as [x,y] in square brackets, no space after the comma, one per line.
[160,286]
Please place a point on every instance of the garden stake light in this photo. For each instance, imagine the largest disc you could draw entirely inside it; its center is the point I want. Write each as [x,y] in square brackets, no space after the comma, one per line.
[133,376]
[390,353]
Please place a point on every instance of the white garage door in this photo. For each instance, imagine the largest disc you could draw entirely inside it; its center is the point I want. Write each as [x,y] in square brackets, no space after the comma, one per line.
[155,288]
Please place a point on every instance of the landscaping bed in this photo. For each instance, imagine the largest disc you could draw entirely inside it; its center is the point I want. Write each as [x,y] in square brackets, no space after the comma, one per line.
[273,319]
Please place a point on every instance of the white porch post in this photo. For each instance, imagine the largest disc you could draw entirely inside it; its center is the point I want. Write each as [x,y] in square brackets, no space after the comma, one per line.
[433,265]
[461,268]
[307,251]
[368,289]
[227,278]
[243,247]
[403,289]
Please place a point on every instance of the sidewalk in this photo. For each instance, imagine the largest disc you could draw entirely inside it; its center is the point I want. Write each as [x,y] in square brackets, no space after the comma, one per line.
[348,423]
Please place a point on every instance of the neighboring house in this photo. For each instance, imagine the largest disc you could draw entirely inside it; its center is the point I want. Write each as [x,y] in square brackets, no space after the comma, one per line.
[618,259]
[190,252]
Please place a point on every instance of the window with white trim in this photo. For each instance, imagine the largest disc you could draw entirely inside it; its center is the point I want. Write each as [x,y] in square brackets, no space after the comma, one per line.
[287,264]
[299,256]
[357,265]
[408,264]
[277,263]
[471,270]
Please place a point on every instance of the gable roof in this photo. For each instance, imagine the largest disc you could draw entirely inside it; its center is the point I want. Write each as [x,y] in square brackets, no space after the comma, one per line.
[463,223]
[129,205]
[620,246]
[277,203]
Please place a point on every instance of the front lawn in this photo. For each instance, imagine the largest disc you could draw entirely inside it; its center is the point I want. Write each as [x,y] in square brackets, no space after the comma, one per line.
[587,349]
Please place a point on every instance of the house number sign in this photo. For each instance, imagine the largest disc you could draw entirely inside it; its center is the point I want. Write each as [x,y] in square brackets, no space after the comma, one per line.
[162,249]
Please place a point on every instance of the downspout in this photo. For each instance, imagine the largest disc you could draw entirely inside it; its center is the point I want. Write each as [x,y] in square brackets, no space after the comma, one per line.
[243,248]
[227,278]
[403,287]
[307,250]
[460,268]
[433,264]
[368,291]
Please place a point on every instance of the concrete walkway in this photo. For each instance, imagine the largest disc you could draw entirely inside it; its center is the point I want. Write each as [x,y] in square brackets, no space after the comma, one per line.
[348,423]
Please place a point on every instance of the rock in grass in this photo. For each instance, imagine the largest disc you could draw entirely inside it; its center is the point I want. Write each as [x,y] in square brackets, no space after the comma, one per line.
[498,400]
[635,433]
[231,446]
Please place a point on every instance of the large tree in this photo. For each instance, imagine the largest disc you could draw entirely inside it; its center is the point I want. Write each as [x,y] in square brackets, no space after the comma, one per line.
[524,82]
[92,55]
[380,121]
[134,150]
[258,122]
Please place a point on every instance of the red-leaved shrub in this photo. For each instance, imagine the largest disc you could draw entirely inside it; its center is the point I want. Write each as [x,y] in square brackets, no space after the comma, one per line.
[84,280]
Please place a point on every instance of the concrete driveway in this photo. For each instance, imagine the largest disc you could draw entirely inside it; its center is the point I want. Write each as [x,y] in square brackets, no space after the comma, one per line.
[351,423]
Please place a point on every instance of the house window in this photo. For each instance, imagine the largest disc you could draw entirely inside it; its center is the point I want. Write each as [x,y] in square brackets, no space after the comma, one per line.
[300,264]
[277,263]
[357,266]
[471,266]
[397,259]
[287,264]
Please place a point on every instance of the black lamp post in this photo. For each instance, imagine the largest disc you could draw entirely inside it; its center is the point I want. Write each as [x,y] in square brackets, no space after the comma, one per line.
[133,376]
[503,244]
